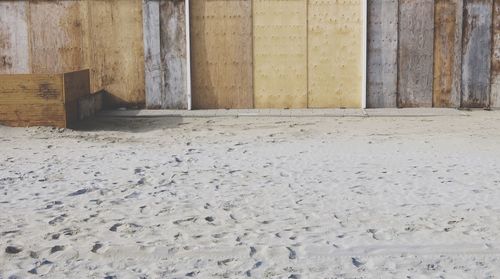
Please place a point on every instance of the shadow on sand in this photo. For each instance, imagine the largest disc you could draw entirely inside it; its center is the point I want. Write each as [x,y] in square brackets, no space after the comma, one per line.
[129,124]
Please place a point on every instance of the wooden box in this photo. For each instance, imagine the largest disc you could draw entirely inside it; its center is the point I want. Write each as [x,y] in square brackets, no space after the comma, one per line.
[42,99]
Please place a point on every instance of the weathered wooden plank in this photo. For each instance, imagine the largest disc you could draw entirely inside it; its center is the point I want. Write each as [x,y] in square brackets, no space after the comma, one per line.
[59,36]
[221,54]
[21,89]
[173,54]
[476,53]
[415,61]
[117,50]
[382,69]
[280,53]
[28,115]
[76,87]
[495,63]
[32,100]
[14,38]
[447,53]
[335,36]
[152,54]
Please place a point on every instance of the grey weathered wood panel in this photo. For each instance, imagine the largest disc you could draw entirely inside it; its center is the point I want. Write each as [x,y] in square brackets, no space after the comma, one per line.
[152,54]
[165,54]
[415,55]
[495,63]
[14,38]
[476,53]
[173,53]
[447,53]
[382,66]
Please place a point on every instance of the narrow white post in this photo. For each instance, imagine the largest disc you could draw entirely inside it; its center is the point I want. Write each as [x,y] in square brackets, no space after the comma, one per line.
[188,56]
[364,59]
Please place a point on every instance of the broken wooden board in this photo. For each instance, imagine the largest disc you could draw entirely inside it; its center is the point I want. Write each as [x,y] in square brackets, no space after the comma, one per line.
[58,36]
[14,38]
[117,51]
[165,54]
[280,53]
[476,53]
[42,99]
[335,51]
[221,54]
[495,63]
[415,60]
[382,69]
[447,53]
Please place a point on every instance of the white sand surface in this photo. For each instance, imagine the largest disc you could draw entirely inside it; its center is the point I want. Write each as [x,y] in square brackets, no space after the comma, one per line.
[253,197]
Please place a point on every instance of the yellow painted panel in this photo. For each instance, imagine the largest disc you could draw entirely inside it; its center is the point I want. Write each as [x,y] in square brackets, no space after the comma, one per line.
[335,53]
[280,53]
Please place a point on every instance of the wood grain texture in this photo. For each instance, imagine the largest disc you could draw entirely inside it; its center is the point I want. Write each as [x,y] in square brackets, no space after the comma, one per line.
[165,54]
[117,51]
[42,99]
[382,69]
[31,89]
[221,54]
[415,61]
[152,54]
[76,88]
[280,53]
[32,100]
[447,53]
[335,38]
[495,63]
[173,54]
[29,115]
[14,38]
[476,53]
[58,36]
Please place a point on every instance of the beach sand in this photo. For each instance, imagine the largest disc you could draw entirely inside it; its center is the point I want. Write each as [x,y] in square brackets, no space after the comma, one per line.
[388,197]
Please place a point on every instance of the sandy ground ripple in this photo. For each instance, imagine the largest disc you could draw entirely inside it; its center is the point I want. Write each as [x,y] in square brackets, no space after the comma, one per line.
[253,198]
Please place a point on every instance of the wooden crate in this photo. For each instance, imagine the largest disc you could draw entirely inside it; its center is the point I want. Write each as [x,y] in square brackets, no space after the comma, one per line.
[42,99]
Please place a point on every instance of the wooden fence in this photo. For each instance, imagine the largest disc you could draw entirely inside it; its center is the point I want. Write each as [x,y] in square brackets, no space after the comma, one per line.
[263,53]
[52,37]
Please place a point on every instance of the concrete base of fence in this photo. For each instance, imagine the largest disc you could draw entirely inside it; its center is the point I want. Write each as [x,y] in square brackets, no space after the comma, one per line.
[407,112]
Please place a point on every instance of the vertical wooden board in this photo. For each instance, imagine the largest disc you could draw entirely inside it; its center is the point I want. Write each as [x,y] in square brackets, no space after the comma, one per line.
[476,53]
[152,54]
[447,53]
[76,87]
[14,38]
[382,69]
[415,61]
[58,36]
[335,51]
[495,63]
[221,54]
[280,53]
[117,50]
[173,54]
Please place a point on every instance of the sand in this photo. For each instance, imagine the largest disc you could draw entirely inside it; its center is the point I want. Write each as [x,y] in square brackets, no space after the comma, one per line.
[253,198]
